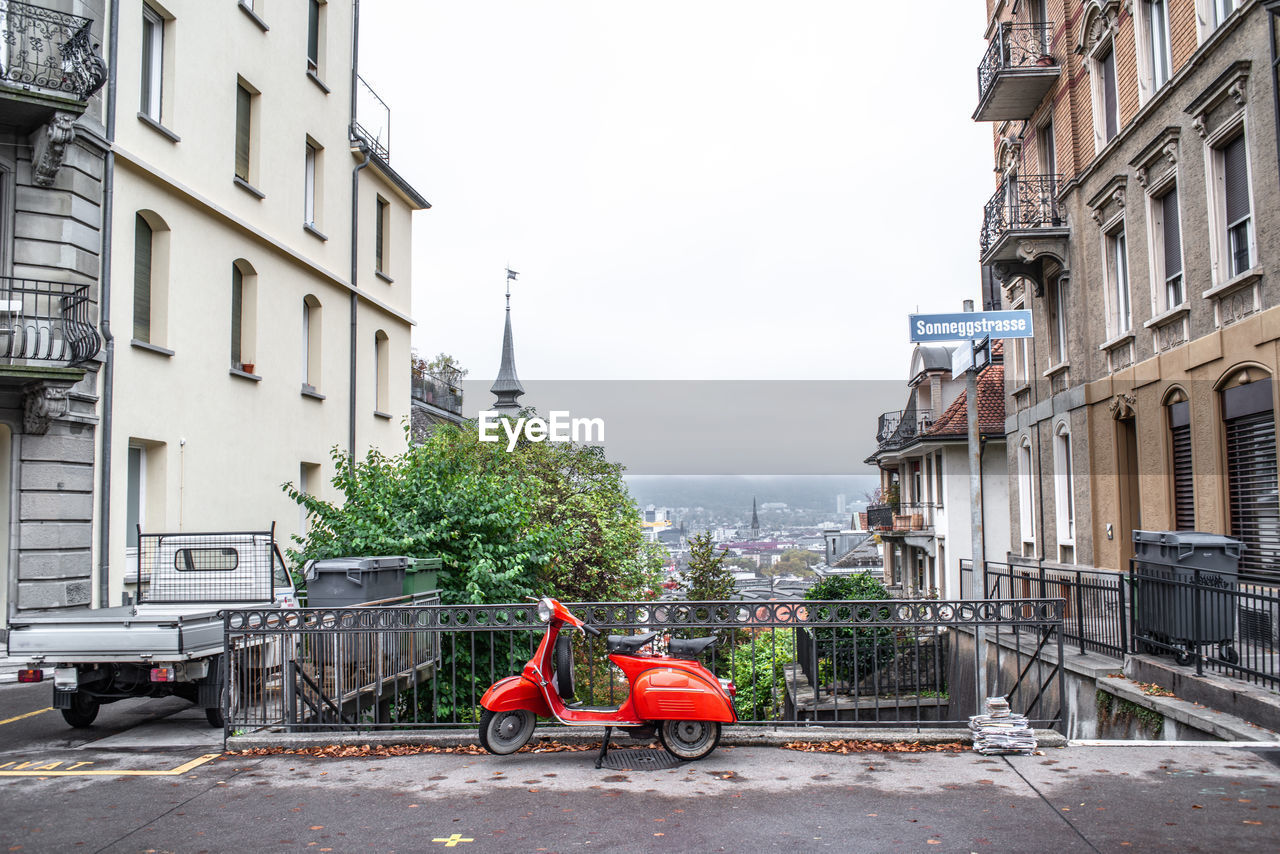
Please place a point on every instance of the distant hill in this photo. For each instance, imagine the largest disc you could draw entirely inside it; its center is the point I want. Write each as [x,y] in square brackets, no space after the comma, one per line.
[732,495]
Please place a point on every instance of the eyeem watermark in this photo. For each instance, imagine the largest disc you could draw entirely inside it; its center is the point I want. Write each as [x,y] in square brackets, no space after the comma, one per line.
[558,428]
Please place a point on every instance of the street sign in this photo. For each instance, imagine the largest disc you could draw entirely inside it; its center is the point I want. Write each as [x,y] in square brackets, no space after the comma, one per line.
[969,325]
[970,355]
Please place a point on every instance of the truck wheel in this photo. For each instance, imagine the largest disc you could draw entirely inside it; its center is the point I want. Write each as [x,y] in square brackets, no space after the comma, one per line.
[502,733]
[82,712]
[214,717]
[689,740]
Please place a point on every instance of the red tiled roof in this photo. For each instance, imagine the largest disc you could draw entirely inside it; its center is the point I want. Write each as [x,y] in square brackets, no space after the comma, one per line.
[955,421]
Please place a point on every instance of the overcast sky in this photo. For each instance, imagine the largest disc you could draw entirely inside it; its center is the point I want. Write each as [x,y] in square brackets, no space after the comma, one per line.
[697,189]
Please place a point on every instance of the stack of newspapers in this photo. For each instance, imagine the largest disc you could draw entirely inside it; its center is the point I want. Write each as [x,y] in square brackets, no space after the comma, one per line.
[999,731]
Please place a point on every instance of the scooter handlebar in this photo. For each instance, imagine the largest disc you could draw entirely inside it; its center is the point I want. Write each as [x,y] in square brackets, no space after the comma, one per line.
[591,630]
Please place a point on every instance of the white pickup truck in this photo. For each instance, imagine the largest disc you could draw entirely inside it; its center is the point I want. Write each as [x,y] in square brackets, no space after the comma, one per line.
[168,644]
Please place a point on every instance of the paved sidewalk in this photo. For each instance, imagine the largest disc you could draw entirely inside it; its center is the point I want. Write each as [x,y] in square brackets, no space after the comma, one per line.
[1112,798]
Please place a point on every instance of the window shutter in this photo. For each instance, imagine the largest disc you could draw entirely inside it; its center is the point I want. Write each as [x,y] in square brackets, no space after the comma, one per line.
[1184,504]
[1172,234]
[313,34]
[237,308]
[142,279]
[1236,175]
[1253,479]
[243,99]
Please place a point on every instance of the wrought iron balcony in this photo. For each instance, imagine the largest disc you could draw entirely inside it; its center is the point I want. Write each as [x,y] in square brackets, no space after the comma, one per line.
[437,392]
[910,517]
[1016,73]
[373,120]
[1024,206]
[43,49]
[880,517]
[46,322]
[897,429]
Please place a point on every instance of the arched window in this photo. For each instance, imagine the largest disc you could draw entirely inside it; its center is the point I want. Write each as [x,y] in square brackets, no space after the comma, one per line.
[244,315]
[1249,421]
[1026,497]
[1178,411]
[381,371]
[1064,489]
[311,328]
[150,278]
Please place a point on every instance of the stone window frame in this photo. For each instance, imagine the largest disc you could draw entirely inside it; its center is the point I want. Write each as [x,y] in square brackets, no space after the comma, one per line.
[1099,31]
[1207,20]
[1156,167]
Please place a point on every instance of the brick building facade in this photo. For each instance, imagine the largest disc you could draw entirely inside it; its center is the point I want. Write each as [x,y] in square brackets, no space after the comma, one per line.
[1135,144]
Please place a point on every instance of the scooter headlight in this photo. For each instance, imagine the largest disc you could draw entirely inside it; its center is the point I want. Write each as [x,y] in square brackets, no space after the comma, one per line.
[545,610]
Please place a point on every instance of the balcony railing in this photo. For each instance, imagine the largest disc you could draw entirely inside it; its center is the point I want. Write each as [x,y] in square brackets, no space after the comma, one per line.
[897,429]
[880,517]
[46,322]
[1024,203]
[44,49]
[913,516]
[437,392]
[373,120]
[1016,72]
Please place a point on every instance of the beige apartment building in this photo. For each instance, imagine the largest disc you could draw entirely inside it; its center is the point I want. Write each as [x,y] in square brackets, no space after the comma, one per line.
[1135,151]
[258,278]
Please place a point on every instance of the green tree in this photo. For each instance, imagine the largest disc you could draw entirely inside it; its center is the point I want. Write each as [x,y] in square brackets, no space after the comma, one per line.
[707,577]
[847,653]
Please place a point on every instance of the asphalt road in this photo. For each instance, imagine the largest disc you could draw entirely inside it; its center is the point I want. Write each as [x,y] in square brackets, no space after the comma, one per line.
[148,778]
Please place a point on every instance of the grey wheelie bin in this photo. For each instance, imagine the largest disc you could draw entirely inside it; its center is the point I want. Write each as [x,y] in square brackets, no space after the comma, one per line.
[1185,597]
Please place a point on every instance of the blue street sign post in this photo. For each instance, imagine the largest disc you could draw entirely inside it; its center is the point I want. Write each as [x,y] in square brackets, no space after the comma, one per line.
[970,325]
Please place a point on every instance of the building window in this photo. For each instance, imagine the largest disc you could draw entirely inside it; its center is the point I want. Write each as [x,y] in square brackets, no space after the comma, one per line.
[310,185]
[381,371]
[1153,36]
[1021,355]
[1166,250]
[135,502]
[1058,309]
[150,275]
[1252,482]
[380,236]
[1184,501]
[152,62]
[1064,485]
[243,315]
[315,35]
[1222,9]
[1231,164]
[1026,497]
[1117,259]
[245,108]
[311,315]
[308,484]
[1046,149]
[1106,101]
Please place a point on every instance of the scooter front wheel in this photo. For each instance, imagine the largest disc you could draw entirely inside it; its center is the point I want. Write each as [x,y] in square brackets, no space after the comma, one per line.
[506,732]
[689,740]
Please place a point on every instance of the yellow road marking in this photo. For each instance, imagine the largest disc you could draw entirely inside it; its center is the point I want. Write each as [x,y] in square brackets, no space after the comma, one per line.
[181,769]
[27,715]
[452,841]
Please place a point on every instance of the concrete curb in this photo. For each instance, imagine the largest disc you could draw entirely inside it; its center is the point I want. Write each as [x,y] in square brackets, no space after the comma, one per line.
[732,737]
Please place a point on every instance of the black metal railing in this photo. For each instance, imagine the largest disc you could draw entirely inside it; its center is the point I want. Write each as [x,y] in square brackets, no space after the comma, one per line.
[373,120]
[437,392]
[897,429]
[1021,203]
[1096,615]
[46,322]
[1207,619]
[880,516]
[869,662]
[45,49]
[1015,46]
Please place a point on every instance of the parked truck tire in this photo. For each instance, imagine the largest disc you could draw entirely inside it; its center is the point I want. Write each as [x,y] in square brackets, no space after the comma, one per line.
[82,712]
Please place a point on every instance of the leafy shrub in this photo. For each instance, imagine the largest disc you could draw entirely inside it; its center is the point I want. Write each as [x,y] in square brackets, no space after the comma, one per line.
[846,653]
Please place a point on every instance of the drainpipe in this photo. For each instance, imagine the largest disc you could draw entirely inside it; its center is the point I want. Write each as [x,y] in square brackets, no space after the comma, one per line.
[104,311]
[1275,80]
[355,229]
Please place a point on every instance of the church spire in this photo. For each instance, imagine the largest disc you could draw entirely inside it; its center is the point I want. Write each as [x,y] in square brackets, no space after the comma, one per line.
[755,520]
[507,388]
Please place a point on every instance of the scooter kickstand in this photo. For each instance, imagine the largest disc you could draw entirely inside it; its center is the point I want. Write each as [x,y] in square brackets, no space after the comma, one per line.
[604,748]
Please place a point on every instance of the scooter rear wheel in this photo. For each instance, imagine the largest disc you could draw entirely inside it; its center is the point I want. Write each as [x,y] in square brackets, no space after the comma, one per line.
[689,740]
[506,732]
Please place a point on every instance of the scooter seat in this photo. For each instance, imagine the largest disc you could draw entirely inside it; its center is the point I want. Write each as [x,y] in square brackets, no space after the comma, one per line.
[690,647]
[628,644]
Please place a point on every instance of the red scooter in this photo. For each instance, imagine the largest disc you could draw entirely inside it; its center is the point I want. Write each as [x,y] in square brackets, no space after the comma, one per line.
[673,694]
